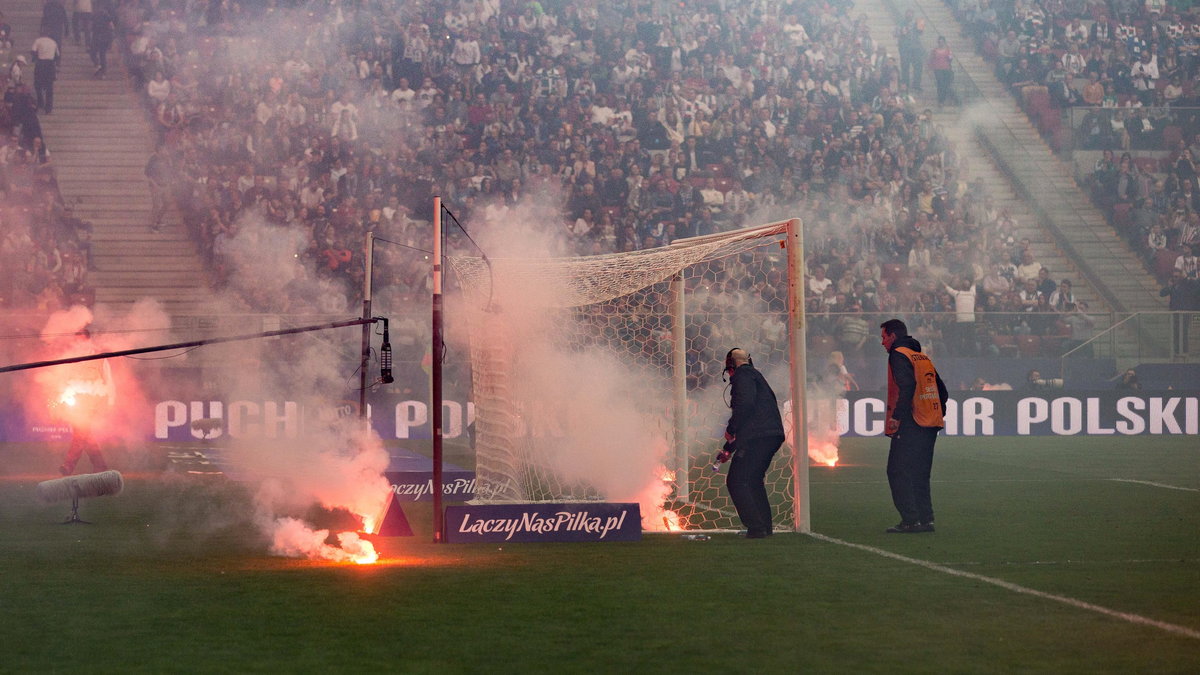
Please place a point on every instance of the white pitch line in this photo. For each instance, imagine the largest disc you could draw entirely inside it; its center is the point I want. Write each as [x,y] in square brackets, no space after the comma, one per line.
[1015,563]
[1153,484]
[1016,588]
[981,480]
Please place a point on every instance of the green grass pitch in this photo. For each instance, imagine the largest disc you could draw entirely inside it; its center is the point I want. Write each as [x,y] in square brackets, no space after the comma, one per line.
[170,578]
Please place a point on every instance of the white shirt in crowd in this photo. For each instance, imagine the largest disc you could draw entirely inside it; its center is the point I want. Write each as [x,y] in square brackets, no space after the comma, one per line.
[45,48]
[964,304]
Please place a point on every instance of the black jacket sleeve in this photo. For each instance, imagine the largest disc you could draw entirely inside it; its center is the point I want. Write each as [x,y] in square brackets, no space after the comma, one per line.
[906,383]
[755,408]
[744,393]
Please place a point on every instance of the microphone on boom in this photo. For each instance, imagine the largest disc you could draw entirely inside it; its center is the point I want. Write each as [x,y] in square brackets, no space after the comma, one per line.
[79,487]
[385,358]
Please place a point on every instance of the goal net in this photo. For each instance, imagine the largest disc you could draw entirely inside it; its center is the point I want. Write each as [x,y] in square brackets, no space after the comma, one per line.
[599,378]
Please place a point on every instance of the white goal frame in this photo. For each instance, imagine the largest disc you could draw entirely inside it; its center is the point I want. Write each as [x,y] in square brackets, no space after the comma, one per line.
[793,243]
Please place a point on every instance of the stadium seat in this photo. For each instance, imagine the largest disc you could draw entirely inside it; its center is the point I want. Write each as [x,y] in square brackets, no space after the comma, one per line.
[1121,215]
[1164,262]
[1052,345]
[1146,164]
[1036,98]
[1061,139]
[85,297]
[1029,346]
[1171,136]
[1006,344]
[990,50]
[821,345]
[1049,121]
[893,272]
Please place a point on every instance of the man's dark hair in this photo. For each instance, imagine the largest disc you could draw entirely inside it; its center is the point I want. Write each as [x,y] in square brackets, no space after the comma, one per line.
[894,327]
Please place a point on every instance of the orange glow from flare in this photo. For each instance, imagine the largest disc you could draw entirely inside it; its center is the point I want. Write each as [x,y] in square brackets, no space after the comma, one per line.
[823,453]
[75,388]
[366,558]
[671,521]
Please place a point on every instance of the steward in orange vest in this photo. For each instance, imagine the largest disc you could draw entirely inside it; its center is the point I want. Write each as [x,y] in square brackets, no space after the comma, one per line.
[916,405]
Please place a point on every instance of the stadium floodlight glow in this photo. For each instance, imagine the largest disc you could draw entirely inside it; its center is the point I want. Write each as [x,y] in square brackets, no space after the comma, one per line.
[83,486]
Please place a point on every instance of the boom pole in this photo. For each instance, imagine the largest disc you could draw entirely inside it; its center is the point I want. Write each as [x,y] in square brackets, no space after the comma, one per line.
[193,343]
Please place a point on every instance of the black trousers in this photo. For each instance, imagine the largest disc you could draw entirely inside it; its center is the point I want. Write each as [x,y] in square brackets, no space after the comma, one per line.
[43,84]
[910,461]
[747,471]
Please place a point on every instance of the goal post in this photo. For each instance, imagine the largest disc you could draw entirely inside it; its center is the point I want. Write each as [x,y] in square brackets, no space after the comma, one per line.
[597,377]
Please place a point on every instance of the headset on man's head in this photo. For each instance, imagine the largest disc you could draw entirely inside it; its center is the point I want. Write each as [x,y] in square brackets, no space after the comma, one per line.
[730,366]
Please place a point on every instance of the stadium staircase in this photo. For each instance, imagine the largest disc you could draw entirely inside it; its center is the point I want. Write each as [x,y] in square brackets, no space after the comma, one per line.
[99,138]
[1070,236]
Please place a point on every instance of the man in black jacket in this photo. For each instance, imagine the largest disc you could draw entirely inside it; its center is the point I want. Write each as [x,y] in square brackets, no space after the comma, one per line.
[916,402]
[753,435]
[1185,299]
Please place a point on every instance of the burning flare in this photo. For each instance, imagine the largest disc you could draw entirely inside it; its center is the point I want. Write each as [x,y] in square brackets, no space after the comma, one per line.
[823,453]
[295,539]
[76,388]
[655,515]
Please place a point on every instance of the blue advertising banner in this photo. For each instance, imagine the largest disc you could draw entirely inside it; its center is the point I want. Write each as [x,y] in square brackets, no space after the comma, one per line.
[411,476]
[860,413]
[498,523]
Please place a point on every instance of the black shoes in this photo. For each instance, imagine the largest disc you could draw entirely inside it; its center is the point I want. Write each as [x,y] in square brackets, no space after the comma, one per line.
[910,528]
[758,534]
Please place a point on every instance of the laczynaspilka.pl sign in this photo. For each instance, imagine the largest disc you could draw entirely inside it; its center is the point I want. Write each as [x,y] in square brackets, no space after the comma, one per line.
[591,521]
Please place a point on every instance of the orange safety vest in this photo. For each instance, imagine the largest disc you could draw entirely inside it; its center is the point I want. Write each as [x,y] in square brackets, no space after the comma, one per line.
[926,404]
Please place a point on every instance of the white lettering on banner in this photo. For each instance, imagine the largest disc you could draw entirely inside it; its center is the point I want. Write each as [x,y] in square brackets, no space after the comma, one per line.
[1129,408]
[240,413]
[453,417]
[454,488]
[975,416]
[284,424]
[1066,416]
[410,414]
[562,521]
[171,414]
[168,414]
[1031,411]
[216,410]
[1162,415]
[249,419]
[950,418]
[1094,427]
[868,420]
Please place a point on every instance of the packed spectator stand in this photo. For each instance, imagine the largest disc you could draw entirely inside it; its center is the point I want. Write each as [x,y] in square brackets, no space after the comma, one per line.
[653,121]
[1115,79]
[45,251]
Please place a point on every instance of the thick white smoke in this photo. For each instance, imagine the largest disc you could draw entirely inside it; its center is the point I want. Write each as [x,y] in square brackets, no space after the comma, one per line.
[336,463]
[601,416]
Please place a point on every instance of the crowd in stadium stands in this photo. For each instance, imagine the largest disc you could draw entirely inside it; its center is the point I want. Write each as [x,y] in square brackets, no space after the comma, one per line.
[45,251]
[1131,69]
[654,121]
